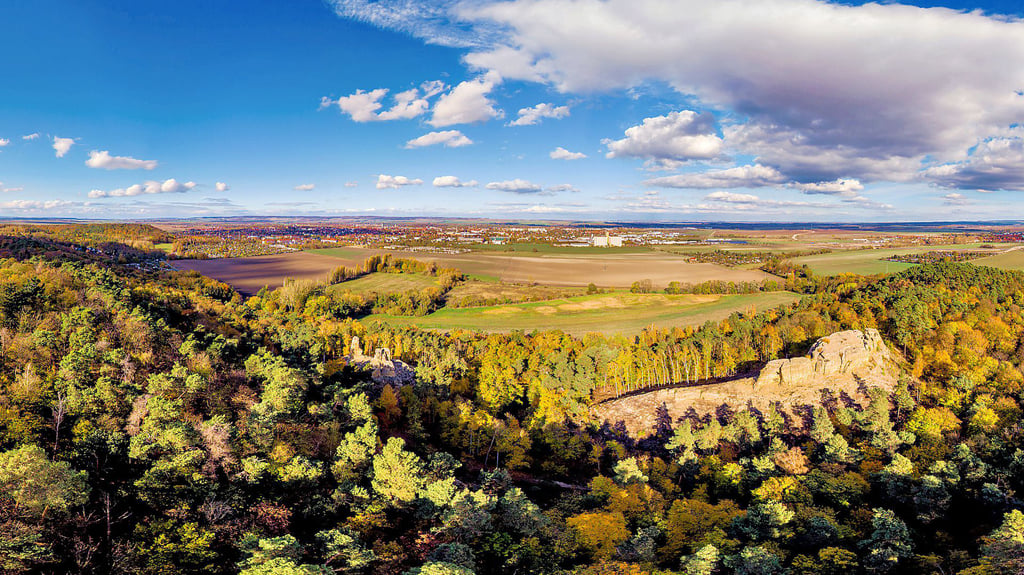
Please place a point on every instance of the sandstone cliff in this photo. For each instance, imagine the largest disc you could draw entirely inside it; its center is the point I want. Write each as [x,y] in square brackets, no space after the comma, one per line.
[846,363]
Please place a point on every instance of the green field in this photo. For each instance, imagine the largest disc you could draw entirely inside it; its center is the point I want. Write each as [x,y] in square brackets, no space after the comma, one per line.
[613,313]
[536,249]
[857,261]
[869,261]
[1009,260]
[385,283]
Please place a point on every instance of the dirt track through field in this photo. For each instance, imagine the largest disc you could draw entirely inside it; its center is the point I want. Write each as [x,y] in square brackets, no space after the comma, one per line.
[248,275]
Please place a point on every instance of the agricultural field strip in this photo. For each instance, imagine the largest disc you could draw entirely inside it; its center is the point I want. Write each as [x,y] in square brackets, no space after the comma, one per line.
[871,261]
[615,313]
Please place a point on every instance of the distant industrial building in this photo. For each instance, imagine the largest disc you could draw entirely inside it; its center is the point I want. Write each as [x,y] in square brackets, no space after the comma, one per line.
[607,241]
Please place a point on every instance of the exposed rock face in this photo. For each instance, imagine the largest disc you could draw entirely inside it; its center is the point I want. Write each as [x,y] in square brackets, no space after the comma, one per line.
[843,352]
[846,364]
[383,369]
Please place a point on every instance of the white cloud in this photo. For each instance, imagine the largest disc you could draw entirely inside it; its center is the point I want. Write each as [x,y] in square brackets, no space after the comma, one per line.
[733,198]
[467,103]
[755,176]
[221,187]
[30,136]
[170,186]
[749,202]
[62,145]
[516,186]
[4,142]
[432,88]
[12,190]
[449,138]
[385,181]
[361,106]
[955,199]
[745,202]
[364,106]
[103,160]
[36,205]
[669,140]
[561,153]
[453,182]
[839,187]
[533,116]
[821,90]
[304,187]
[408,105]
[563,188]
[429,21]
[351,184]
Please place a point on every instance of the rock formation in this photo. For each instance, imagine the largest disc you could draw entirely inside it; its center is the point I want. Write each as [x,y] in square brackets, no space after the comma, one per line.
[383,369]
[843,352]
[846,364]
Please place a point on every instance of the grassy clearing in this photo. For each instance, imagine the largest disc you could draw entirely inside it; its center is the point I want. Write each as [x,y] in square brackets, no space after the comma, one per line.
[613,313]
[386,283]
[166,247]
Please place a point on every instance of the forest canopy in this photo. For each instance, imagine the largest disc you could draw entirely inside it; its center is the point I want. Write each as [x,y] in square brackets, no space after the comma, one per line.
[154,421]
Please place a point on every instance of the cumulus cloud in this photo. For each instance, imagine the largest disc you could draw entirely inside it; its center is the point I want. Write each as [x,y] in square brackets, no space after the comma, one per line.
[670,140]
[533,116]
[30,137]
[995,164]
[467,103]
[170,186]
[304,187]
[516,186]
[385,181]
[453,182]
[561,153]
[447,138]
[366,106]
[4,142]
[221,187]
[824,90]
[62,145]
[755,176]
[408,105]
[103,160]
[361,106]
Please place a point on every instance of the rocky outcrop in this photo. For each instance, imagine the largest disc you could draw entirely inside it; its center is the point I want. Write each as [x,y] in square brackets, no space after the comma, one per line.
[383,369]
[843,352]
[845,364]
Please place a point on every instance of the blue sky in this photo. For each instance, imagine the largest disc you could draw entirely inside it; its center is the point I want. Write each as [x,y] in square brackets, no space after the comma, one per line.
[660,110]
